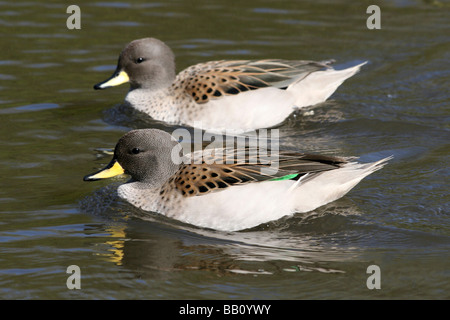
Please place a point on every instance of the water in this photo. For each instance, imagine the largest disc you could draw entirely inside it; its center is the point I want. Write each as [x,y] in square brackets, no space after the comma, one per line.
[52,122]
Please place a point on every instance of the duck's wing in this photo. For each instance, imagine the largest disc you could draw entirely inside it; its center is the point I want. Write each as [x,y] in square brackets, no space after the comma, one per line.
[225,168]
[215,79]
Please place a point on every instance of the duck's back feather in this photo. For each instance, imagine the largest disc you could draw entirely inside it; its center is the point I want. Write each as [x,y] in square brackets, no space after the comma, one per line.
[224,168]
[216,79]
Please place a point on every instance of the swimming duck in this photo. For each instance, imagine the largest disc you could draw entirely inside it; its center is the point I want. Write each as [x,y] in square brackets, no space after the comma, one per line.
[226,189]
[236,95]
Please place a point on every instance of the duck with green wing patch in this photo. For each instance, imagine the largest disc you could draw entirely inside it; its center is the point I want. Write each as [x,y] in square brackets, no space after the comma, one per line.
[222,195]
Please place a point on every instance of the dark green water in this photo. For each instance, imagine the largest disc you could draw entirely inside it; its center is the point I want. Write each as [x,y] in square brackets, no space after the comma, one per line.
[51,122]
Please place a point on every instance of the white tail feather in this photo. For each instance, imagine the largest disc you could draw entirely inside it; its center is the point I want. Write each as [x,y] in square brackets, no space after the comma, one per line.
[319,86]
[333,184]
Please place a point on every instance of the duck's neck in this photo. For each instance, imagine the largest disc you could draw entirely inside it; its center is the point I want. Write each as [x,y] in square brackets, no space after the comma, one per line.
[146,99]
[138,195]
[158,104]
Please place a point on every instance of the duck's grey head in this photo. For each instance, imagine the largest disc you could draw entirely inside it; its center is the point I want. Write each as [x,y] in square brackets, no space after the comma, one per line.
[145,63]
[148,155]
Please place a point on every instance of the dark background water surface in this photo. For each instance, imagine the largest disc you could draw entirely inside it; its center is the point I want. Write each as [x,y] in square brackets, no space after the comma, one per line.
[52,122]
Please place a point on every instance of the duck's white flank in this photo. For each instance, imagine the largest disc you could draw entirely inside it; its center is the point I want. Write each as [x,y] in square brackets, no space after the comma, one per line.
[247,206]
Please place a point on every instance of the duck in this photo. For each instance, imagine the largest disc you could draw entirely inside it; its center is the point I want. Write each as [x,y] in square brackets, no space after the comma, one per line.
[224,95]
[227,189]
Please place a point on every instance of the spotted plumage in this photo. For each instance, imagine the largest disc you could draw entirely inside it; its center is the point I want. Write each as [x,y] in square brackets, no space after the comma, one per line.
[228,189]
[241,166]
[237,95]
[216,79]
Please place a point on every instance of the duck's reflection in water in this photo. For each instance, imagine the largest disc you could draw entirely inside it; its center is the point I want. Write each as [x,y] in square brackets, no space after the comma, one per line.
[155,246]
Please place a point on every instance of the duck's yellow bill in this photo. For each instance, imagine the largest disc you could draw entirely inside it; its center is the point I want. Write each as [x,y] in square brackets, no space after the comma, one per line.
[115,80]
[111,170]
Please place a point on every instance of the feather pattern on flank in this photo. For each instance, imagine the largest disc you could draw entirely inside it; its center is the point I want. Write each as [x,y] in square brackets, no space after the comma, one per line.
[239,191]
[235,95]
[229,167]
[216,79]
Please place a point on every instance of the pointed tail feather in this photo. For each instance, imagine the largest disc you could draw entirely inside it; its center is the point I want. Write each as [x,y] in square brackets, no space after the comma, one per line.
[331,185]
[353,172]
[320,85]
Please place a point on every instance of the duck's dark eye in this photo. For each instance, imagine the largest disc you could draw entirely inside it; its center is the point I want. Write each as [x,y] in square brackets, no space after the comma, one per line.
[135,150]
[139,60]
